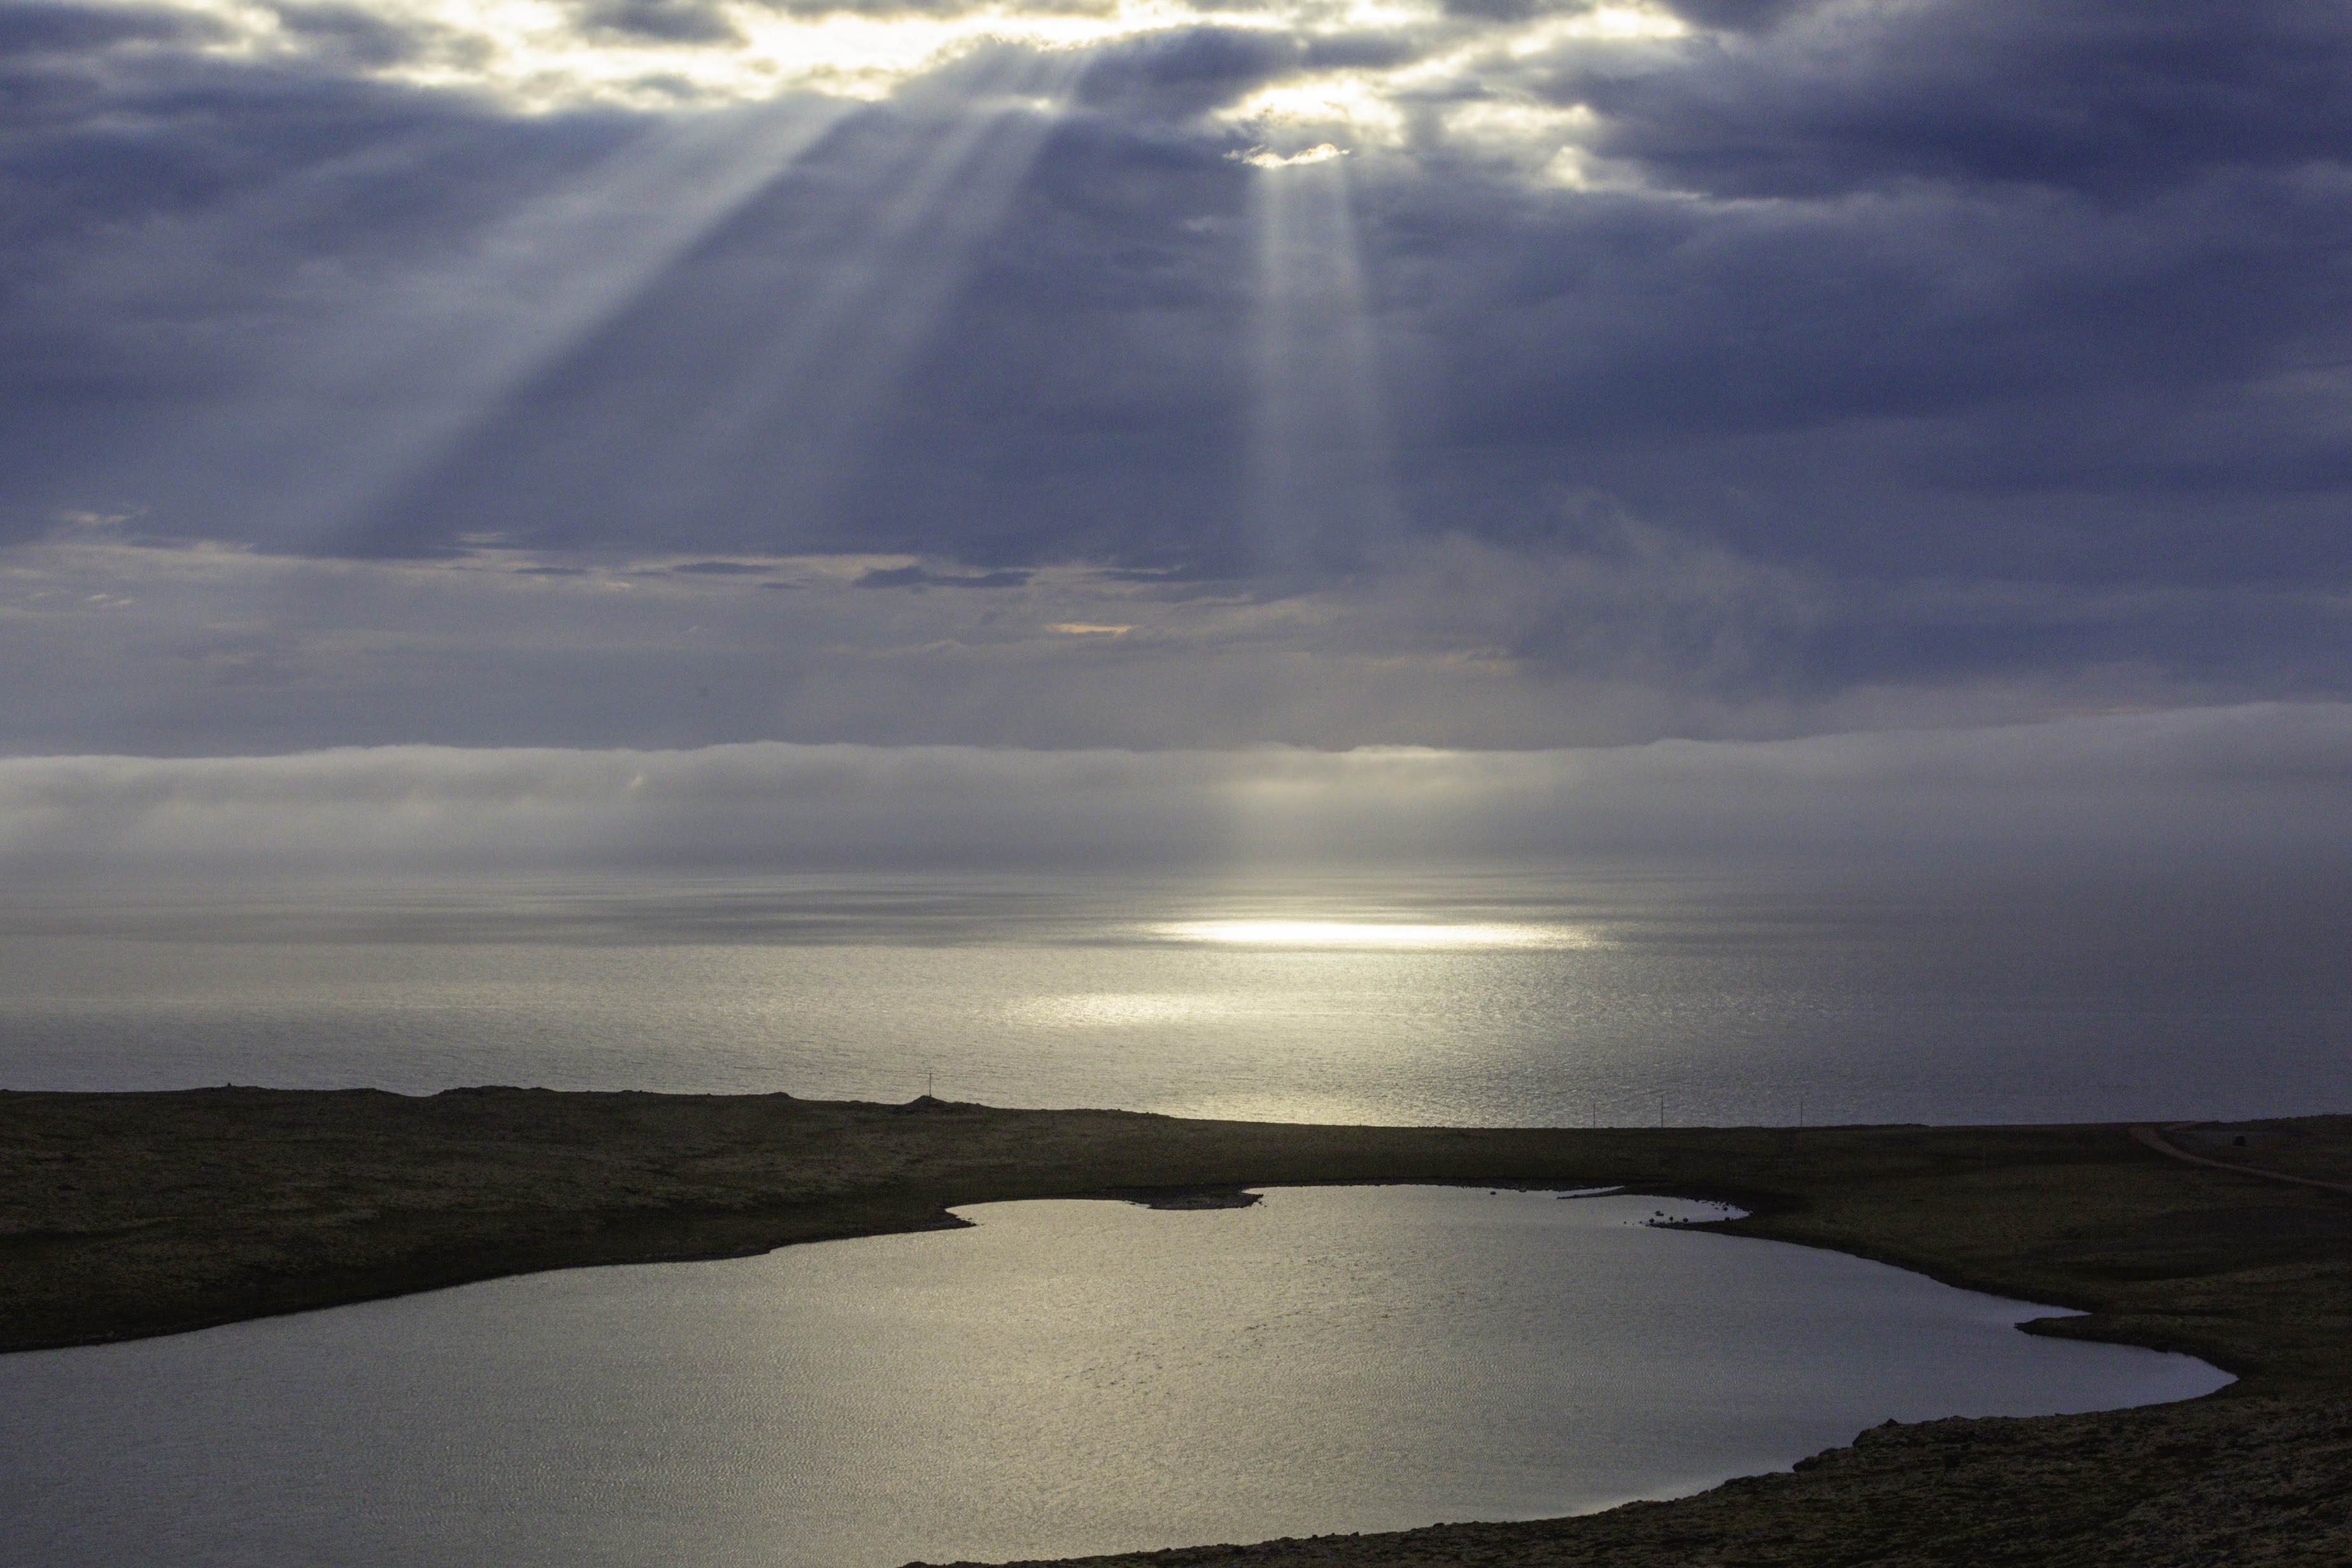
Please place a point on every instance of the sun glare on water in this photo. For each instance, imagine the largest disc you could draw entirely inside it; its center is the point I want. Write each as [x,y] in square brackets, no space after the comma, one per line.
[1366,933]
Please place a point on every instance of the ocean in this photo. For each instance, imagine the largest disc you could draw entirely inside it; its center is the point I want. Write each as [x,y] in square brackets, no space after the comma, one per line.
[1500,998]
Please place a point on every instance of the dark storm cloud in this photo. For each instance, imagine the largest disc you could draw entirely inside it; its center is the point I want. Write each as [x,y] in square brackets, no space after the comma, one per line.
[2013,330]
[348,36]
[917,578]
[1515,10]
[1741,15]
[661,21]
[68,29]
[165,217]
[2102,96]
[1170,76]
[1622,317]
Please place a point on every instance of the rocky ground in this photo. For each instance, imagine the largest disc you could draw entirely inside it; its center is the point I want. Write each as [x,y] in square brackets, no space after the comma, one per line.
[141,1214]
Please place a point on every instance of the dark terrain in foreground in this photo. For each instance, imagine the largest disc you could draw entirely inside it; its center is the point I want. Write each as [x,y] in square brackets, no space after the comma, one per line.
[125,1215]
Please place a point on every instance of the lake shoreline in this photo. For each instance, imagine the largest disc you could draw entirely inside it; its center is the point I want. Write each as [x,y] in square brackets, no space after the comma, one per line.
[135,1214]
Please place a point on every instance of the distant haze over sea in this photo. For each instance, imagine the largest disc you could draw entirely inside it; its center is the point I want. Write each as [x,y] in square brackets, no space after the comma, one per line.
[2130,915]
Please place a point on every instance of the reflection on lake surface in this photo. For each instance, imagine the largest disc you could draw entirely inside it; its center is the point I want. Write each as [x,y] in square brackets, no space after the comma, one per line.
[1065,1377]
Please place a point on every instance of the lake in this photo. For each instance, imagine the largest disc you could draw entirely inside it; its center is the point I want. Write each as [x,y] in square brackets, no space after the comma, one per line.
[1066,1376]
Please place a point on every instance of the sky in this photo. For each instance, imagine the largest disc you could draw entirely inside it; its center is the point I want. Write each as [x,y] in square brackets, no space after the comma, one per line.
[1410,402]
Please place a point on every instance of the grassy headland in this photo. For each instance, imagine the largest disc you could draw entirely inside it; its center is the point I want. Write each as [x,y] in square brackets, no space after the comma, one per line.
[127,1215]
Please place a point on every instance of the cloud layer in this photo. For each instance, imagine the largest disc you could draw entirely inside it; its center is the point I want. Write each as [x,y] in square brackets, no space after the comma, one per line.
[124,645]
[1620,371]
[2242,788]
